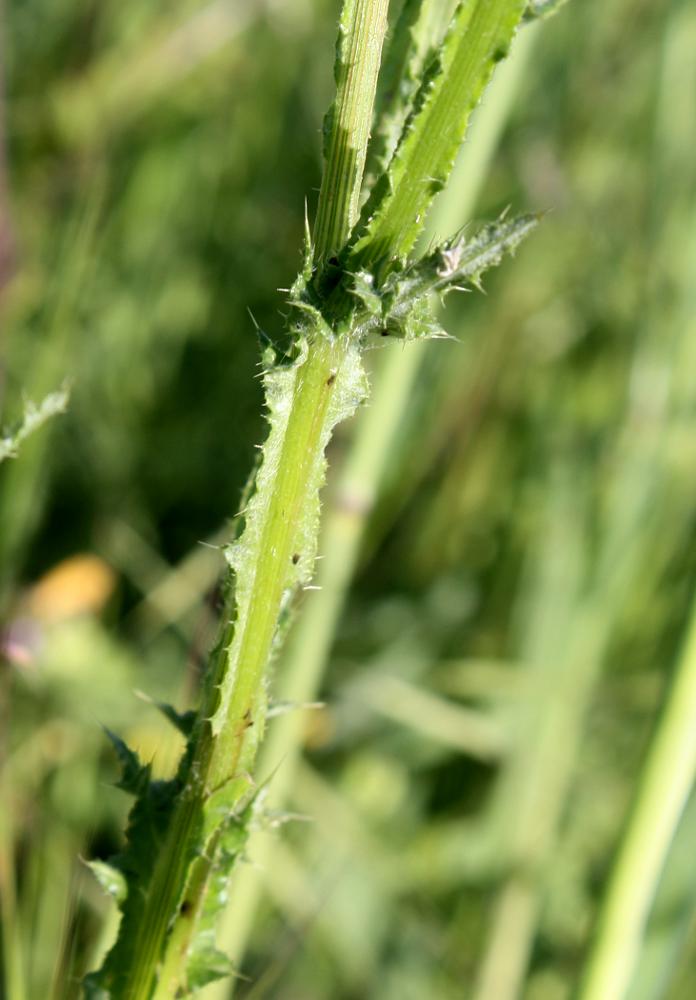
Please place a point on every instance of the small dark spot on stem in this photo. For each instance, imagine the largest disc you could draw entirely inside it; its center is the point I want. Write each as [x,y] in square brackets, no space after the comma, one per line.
[185,908]
[500,54]
[331,379]
[384,333]
[333,261]
[296,558]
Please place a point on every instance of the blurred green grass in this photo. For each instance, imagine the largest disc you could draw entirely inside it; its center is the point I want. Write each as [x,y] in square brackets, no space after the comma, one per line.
[531,558]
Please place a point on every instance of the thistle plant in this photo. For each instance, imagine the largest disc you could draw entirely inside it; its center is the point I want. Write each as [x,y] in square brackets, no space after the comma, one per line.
[359,284]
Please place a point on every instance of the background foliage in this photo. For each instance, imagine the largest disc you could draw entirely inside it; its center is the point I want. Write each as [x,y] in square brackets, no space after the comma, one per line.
[526,575]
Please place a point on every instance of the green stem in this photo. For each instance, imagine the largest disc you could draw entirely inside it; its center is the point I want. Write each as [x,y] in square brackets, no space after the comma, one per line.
[668,780]
[533,791]
[222,760]
[303,450]
[361,36]
[276,547]
[350,505]
[311,640]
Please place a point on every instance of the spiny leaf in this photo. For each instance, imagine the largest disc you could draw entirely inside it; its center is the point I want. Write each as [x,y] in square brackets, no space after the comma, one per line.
[411,46]
[394,214]
[363,288]
[417,322]
[134,775]
[460,261]
[147,825]
[130,871]
[206,966]
[404,296]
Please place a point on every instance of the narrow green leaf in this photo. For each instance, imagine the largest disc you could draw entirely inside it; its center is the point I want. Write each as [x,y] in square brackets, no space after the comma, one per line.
[134,774]
[412,44]
[394,214]
[400,306]
[460,261]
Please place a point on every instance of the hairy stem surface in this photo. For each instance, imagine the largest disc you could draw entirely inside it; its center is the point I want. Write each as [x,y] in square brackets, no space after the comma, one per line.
[185,835]
[273,555]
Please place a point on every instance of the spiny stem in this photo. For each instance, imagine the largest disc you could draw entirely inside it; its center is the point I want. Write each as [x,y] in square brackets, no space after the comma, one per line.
[277,545]
[218,776]
[164,944]
[296,476]
[375,431]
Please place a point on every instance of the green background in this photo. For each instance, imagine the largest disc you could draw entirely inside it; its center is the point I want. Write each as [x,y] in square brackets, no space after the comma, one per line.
[529,566]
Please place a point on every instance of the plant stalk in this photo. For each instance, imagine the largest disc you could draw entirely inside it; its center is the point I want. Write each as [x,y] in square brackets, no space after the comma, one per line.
[350,504]
[166,926]
[215,780]
[667,783]
[361,36]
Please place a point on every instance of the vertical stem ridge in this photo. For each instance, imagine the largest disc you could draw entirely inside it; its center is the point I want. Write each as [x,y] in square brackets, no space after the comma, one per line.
[359,52]
[325,385]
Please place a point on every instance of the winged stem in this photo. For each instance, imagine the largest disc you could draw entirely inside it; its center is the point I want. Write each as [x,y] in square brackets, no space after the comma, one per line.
[185,835]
